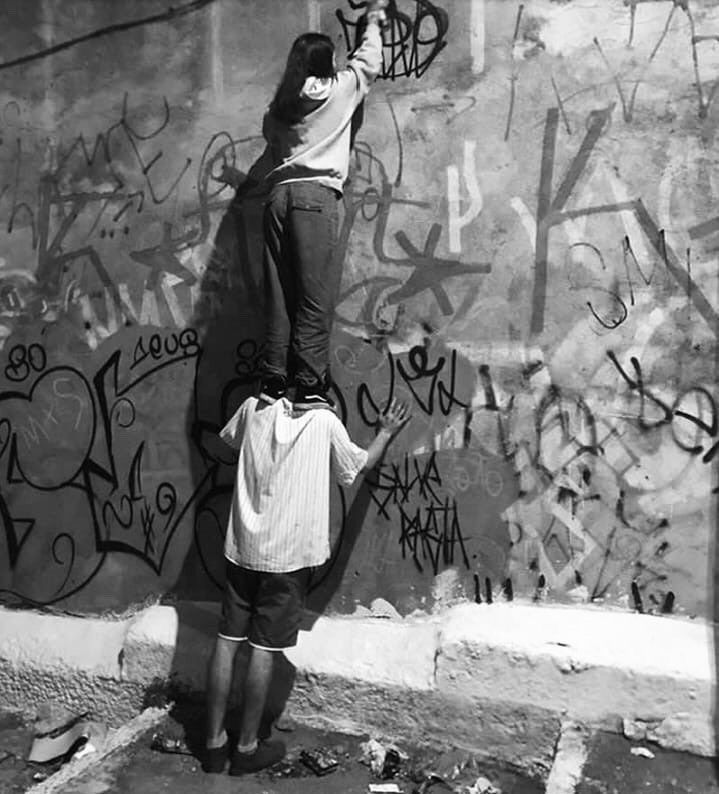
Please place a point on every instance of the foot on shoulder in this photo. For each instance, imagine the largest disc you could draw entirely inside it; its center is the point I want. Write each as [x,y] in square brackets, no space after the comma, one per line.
[308,397]
[273,388]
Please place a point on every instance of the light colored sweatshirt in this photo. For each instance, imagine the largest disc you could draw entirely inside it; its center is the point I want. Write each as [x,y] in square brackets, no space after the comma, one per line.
[318,147]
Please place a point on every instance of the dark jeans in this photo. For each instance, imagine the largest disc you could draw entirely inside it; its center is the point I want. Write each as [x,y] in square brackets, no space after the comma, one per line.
[301,280]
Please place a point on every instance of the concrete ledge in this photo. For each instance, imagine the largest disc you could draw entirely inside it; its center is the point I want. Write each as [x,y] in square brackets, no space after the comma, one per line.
[149,645]
[385,653]
[495,679]
[91,645]
[591,666]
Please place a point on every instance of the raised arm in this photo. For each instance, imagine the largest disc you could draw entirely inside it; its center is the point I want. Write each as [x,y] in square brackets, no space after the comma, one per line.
[366,61]
[389,423]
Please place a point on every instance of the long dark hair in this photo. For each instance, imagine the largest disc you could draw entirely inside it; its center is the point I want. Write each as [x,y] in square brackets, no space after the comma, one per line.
[311,55]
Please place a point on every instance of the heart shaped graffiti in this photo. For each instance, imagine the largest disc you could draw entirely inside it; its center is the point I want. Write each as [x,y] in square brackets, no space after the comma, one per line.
[50,430]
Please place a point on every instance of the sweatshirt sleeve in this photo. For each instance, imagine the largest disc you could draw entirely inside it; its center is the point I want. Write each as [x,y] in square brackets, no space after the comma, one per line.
[367,59]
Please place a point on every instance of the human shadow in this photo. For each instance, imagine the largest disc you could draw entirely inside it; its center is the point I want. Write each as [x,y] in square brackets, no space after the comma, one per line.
[228,317]
[327,579]
[229,320]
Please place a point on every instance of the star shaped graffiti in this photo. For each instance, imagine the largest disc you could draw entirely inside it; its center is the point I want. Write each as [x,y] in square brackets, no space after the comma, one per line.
[162,258]
[429,270]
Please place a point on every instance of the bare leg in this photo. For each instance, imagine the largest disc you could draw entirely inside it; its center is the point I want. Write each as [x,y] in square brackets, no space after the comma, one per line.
[257,685]
[219,682]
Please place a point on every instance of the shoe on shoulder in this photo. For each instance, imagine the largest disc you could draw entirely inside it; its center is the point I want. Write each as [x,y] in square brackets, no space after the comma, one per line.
[308,397]
[272,389]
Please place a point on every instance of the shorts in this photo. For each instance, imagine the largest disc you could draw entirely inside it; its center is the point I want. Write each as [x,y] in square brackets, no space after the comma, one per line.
[262,607]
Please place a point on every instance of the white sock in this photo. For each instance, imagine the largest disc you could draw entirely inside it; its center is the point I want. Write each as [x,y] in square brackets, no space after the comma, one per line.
[213,744]
[247,748]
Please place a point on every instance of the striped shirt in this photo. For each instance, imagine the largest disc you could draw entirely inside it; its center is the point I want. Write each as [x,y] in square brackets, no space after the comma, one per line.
[279,521]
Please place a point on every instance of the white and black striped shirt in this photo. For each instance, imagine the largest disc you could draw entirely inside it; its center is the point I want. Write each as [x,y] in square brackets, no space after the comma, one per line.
[279,520]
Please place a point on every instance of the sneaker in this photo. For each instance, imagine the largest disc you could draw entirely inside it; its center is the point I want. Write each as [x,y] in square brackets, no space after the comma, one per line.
[267,753]
[273,388]
[216,758]
[265,729]
[312,397]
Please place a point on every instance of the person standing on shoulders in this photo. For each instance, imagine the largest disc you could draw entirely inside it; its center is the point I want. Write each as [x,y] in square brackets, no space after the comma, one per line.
[308,130]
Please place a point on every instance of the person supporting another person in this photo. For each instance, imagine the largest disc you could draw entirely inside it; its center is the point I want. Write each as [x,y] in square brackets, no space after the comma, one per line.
[277,533]
[308,132]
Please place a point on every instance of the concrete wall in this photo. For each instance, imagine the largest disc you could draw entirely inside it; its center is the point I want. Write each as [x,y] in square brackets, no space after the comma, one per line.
[529,257]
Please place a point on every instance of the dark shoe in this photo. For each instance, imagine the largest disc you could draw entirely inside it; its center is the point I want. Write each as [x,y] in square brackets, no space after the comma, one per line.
[273,389]
[215,759]
[265,730]
[266,754]
[308,397]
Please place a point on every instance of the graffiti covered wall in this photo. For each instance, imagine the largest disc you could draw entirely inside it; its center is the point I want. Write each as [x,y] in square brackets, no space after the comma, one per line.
[528,245]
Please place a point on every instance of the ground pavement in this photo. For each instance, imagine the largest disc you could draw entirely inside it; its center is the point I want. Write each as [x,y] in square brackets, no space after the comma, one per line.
[615,765]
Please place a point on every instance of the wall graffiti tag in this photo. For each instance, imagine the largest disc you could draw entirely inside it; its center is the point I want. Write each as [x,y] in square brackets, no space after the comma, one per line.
[412,41]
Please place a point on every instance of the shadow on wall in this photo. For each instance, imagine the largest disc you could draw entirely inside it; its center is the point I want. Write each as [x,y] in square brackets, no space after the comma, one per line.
[229,321]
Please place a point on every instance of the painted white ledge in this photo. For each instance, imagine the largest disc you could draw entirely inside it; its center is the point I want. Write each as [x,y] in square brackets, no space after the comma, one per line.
[596,667]
[89,645]
[593,666]
[382,652]
[634,643]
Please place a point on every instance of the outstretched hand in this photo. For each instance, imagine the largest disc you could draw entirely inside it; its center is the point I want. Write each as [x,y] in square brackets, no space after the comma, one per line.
[394,416]
[389,422]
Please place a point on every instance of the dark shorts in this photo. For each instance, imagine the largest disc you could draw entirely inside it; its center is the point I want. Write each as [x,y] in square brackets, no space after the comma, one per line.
[264,608]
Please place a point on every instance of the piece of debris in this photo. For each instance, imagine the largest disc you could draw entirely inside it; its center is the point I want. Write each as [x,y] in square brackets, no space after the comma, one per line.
[384,761]
[288,768]
[380,608]
[53,740]
[579,594]
[384,788]
[451,764]
[644,752]
[321,762]
[430,781]
[85,749]
[392,763]
[117,738]
[634,729]
[169,744]
[373,755]
[639,730]
[483,786]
